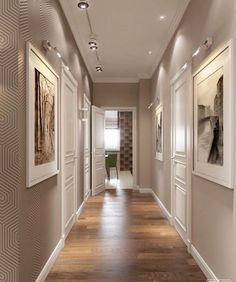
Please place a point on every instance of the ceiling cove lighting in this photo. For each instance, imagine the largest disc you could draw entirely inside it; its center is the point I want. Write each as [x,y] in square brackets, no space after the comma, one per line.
[83,4]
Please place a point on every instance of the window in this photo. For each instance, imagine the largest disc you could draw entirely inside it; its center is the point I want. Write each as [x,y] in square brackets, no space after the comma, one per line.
[112,139]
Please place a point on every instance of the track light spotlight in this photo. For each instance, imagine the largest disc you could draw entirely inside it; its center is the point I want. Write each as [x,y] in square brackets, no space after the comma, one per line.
[99,68]
[83,4]
[94,47]
[93,44]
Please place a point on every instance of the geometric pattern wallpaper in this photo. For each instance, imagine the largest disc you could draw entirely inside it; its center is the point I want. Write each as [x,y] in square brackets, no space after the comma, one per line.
[126,141]
[30,219]
[10,101]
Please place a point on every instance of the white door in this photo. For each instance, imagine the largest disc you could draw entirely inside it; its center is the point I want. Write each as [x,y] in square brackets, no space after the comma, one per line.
[98,150]
[86,109]
[182,111]
[68,149]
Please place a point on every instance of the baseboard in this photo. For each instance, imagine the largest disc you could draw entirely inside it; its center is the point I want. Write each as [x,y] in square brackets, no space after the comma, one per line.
[163,208]
[203,265]
[49,264]
[145,190]
[200,261]
[79,211]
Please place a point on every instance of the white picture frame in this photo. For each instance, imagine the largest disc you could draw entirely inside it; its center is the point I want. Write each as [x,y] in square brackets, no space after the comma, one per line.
[159,132]
[214,89]
[41,160]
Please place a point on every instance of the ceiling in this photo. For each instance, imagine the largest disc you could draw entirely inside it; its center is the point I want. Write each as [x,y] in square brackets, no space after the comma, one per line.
[131,35]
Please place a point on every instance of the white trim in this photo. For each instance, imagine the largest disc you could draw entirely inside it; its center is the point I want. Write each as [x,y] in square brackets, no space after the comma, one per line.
[161,205]
[145,190]
[212,179]
[135,137]
[117,79]
[203,265]
[98,151]
[87,129]
[36,174]
[69,75]
[222,58]
[186,233]
[73,27]
[163,208]
[213,55]
[158,111]
[49,264]
[199,260]
[79,211]
[172,28]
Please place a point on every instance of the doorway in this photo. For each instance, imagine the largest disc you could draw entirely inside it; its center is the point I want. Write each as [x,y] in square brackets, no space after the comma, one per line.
[181,166]
[87,151]
[120,148]
[68,154]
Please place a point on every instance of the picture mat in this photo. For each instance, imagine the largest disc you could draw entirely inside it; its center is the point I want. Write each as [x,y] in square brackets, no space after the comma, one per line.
[207,90]
[36,174]
[159,132]
[224,58]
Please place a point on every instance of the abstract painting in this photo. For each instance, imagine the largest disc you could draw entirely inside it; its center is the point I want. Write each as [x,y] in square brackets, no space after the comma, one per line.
[211,119]
[44,120]
[214,86]
[159,133]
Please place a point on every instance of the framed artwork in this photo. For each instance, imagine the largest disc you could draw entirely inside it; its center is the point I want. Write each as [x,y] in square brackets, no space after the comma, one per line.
[159,133]
[42,132]
[214,87]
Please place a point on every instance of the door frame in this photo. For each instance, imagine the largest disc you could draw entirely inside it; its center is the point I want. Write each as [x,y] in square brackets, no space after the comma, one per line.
[66,72]
[96,110]
[134,137]
[85,98]
[186,70]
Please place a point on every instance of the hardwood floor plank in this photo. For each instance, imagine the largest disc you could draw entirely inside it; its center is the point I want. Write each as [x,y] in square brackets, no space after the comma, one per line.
[123,236]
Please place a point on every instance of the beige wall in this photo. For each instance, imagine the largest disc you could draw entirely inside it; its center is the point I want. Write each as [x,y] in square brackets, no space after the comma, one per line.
[131,95]
[214,212]
[115,94]
[144,132]
[31,217]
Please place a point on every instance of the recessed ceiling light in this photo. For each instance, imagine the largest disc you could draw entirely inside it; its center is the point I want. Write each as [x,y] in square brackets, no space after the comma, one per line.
[150,52]
[83,4]
[162,17]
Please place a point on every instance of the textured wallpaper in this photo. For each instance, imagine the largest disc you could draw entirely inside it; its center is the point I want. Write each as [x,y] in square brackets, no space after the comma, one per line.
[10,170]
[126,141]
[30,219]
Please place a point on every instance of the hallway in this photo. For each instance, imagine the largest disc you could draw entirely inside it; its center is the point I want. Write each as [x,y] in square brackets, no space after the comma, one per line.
[121,235]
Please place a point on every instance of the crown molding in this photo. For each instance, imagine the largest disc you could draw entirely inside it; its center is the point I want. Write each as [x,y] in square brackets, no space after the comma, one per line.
[116,80]
[173,26]
[77,37]
[172,29]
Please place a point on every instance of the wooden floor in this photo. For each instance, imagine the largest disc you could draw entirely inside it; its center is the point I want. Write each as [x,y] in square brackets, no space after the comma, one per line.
[122,236]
